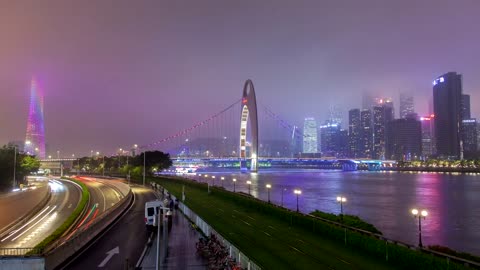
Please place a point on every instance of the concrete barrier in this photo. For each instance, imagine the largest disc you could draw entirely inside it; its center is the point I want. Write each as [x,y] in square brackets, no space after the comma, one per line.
[32,263]
[26,204]
[66,248]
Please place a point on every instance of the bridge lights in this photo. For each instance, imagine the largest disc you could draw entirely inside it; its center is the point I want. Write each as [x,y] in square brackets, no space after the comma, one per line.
[249,183]
[341,200]
[268,186]
[297,192]
[234,180]
[419,214]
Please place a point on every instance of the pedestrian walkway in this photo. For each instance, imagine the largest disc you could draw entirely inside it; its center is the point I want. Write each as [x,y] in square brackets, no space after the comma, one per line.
[181,252]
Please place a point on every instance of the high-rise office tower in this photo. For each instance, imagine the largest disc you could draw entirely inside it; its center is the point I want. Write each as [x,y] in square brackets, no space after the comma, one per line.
[469,137]
[35,138]
[329,135]
[354,131]
[404,139]
[428,138]
[465,111]
[447,96]
[381,116]
[335,115]
[366,135]
[406,104]
[310,136]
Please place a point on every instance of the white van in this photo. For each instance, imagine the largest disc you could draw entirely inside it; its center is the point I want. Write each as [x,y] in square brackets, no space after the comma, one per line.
[152,208]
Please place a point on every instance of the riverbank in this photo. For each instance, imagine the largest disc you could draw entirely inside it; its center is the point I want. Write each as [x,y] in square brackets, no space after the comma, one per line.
[277,238]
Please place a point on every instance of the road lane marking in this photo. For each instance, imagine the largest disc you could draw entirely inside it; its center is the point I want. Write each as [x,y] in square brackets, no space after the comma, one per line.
[51,210]
[343,261]
[110,254]
[30,221]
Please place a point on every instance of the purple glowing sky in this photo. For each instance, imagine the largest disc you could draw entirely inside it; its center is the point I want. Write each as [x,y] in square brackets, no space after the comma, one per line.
[114,72]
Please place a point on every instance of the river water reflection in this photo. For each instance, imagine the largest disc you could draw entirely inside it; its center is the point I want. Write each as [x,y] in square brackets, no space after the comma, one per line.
[381,198]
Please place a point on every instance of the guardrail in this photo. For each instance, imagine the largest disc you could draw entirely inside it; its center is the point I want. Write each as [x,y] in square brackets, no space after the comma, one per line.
[66,247]
[6,252]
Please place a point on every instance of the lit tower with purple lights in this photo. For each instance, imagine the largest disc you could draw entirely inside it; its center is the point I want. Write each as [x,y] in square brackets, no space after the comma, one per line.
[35,139]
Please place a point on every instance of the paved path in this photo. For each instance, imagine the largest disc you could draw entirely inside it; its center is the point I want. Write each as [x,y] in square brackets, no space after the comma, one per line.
[181,252]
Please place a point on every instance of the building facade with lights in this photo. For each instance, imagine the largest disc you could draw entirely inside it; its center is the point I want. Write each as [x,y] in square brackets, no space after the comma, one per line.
[428,136]
[310,142]
[447,96]
[406,105]
[35,137]
[354,132]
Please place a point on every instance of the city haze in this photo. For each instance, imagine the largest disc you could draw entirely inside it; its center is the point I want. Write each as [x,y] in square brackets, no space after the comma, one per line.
[115,73]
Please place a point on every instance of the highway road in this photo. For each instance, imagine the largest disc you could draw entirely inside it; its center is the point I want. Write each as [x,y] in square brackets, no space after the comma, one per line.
[103,195]
[124,241]
[65,197]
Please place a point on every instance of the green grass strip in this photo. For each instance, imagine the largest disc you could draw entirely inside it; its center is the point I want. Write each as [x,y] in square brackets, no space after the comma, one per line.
[277,238]
[68,222]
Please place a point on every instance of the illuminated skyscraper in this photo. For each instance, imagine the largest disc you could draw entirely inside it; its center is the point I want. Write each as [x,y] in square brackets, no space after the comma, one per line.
[35,139]
[406,104]
[447,101]
[310,136]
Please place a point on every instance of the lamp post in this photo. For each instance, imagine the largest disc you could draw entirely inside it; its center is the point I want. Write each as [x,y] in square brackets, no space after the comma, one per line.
[14,166]
[297,192]
[144,161]
[213,180]
[249,183]
[103,165]
[283,189]
[341,200]
[234,180]
[222,178]
[199,177]
[419,214]
[268,191]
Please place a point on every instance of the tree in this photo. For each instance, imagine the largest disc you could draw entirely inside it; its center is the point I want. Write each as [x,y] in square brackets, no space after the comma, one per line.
[154,159]
[25,164]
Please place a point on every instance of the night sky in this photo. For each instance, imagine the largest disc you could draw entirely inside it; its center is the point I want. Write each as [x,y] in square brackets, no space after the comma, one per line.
[117,73]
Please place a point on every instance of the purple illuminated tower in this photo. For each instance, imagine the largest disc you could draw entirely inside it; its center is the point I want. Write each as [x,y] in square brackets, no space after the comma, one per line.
[35,139]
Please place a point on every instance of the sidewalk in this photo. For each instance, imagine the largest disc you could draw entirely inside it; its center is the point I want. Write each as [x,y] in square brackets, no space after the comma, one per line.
[181,251]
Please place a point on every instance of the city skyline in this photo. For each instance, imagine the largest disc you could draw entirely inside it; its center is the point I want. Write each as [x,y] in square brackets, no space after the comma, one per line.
[104,92]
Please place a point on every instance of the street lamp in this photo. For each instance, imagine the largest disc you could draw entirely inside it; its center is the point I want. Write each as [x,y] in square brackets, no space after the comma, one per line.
[418,214]
[297,192]
[283,189]
[144,158]
[222,178]
[14,166]
[341,200]
[249,183]
[199,177]
[268,191]
[213,180]
[234,180]
[58,154]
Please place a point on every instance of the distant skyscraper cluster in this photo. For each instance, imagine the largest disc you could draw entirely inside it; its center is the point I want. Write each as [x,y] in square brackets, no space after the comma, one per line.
[35,137]
[448,131]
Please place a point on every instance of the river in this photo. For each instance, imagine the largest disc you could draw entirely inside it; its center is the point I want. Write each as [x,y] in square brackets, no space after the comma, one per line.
[384,199]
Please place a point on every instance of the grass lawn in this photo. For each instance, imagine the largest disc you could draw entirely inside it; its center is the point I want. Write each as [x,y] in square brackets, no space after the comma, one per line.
[270,241]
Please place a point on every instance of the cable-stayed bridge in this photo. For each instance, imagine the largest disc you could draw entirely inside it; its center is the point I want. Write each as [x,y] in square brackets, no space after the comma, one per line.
[249,135]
